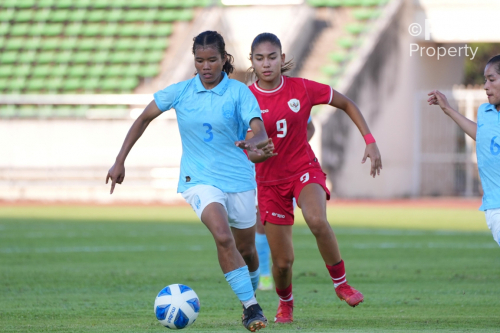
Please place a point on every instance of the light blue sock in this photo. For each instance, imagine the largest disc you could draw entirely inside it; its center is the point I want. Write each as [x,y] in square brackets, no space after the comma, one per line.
[264,252]
[254,277]
[239,280]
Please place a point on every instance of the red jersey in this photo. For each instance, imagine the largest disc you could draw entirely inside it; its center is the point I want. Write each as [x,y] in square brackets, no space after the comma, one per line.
[285,111]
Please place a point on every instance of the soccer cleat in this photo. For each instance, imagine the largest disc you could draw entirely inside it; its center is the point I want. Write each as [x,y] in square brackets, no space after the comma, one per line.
[265,283]
[285,312]
[347,293]
[253,318]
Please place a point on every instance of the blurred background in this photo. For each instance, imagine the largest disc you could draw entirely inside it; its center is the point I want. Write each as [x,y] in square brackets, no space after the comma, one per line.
[74,74]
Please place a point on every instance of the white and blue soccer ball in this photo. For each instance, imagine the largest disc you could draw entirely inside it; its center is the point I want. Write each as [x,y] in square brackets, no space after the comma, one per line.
[177,306]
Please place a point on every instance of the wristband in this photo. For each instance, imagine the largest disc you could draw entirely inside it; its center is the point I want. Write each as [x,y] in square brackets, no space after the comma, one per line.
[369,139]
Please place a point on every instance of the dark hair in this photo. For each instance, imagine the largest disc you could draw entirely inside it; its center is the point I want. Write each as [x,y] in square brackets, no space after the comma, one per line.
[209,38]
[495,61]
[273,39]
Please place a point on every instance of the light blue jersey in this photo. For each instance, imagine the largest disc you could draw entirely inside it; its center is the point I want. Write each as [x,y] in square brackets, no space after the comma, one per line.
[488,154]
[210,121]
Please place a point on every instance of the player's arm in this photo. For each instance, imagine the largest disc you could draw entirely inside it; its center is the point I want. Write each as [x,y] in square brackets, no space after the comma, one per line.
[261,154]
[259,139]
[117,171]
[467,125]
[310,130]
[351,109]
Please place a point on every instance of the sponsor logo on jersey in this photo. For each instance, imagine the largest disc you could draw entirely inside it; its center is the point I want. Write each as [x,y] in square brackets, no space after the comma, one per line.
[281,216]
[264,111]
[305,177]
[294,105]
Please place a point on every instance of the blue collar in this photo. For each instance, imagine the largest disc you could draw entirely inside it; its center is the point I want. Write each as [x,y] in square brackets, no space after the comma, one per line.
[490,107]
[219,89]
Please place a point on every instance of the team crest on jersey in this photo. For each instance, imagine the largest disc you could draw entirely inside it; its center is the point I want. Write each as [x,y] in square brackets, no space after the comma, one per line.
[294,105]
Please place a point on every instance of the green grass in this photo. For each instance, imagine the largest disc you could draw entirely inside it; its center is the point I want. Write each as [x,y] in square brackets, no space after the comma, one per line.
[98,269]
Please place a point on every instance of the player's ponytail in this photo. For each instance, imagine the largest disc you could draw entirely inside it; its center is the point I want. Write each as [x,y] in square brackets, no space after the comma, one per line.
[273,39]
[495,61]
[213,38]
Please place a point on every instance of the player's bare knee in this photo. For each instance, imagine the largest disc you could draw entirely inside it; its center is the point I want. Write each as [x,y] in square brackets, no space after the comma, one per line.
[318,225]
[224,240]
[283,266]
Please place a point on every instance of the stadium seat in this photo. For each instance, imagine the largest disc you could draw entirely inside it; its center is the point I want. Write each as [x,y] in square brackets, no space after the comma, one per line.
[100,57]
[18,3]
[59,15]
[96,16]
[77,70]
[45,3]
[35,84]
[6,71]
[91,83]
[7,15]
[47,30]
[114,70]
[365,14]
[87,44]
[76,29]
[355,28]
[51,44]
[8,57]
[338,57]
[135,70]
[150,71]
[72,84]
[128,83]
[153,56]
[23,16]
[82,57]
[7,111]
[54,83]
[14,43]
[26,57]
[42,15]
[17,83]
[46,57]
[42,70]
[69,43]
[59,70]
[330,70]
[63,3]
[64,57]
[82,3]
[22,70]
[78,15]
[346,42]
[96,70]
[19,29]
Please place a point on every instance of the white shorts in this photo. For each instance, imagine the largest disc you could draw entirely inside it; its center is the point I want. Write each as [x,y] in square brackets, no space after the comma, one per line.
[493,222]
[240,207]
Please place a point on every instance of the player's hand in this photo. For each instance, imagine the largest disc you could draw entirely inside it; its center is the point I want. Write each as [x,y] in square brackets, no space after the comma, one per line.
[438,98]
[373,153]
[268,150]
[116,174]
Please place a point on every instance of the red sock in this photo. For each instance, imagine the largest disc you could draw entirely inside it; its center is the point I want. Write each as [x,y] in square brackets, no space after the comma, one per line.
[285,294]
[337,273]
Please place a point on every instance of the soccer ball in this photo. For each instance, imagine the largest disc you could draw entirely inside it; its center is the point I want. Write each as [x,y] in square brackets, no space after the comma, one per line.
[177,306]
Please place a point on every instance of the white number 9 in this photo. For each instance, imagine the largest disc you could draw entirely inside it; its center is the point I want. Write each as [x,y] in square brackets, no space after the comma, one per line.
[281,126]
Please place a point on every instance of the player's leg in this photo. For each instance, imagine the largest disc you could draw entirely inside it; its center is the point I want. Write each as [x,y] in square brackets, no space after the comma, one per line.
[264,253]
[241,218]
[312,201]
[493,222]
[209,203]
[280,242]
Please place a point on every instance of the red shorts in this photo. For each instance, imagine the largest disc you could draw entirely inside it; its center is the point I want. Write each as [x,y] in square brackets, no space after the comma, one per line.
[276,201]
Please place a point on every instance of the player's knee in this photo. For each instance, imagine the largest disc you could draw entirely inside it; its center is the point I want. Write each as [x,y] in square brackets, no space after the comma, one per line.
[248,253]
[283,266]
[319,225]
[224,240]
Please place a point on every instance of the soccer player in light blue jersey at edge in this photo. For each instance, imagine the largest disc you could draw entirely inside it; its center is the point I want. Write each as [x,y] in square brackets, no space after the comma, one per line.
[216,177]
[486,133]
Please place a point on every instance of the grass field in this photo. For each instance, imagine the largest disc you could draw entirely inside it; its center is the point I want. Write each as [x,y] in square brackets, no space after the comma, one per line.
[98,269]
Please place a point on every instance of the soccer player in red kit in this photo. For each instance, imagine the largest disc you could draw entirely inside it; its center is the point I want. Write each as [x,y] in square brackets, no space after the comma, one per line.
[294,171]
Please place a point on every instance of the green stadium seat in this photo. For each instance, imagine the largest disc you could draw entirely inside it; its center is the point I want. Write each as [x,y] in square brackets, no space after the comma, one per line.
[150,70]
[4,83]
[59,70]
[82,3]
[4,29]
[338,57]
[8,57]
[120,56]
[96,70]
[351,3]
[17,83]
[46,57]
[64,57]
[78,70]
[355,28]
[185,15]
[137,3]
[346,42]
[19,3]
[109,30]
[82,57]
[72,84]
[59,15]
[50,44]
[106,43]
[23,16]
[153,56]
[42,70]
[7,111]
[134,70]
[91,83]
[22,70]
[7,15]
[15,43]
[26,111]
[6,71]
[96,16]
[78,15]
[157,43]
[76,29]
[45,3]
[128,83]
[114,15]
[63,3]
[48,30]
[42,15]
[189,3]
[54,83]
[114,70]
[32,43]
[149,15]
[36,84]
[86,44]
[330,69]
[100,57]
[69,43]
[128,43]
[45,111]
[134,15]
[366,14]
[111,83]
[19,29]
[162,30]
[26,57]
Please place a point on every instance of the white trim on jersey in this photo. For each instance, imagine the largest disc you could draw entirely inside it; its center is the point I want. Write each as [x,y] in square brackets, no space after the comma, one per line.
[331,95]
[270,91]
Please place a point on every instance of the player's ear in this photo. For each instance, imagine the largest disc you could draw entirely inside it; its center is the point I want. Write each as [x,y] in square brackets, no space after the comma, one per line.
[282,59]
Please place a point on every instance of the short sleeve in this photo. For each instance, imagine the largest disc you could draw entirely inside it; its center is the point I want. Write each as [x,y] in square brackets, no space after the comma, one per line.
[165,98]
[318,93]
[249,107]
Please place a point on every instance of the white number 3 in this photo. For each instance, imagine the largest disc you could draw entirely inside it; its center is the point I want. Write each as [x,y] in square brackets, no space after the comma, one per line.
[281,126]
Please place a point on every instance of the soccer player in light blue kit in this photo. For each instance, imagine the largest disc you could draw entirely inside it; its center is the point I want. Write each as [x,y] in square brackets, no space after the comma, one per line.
[216,178]
[487,135]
